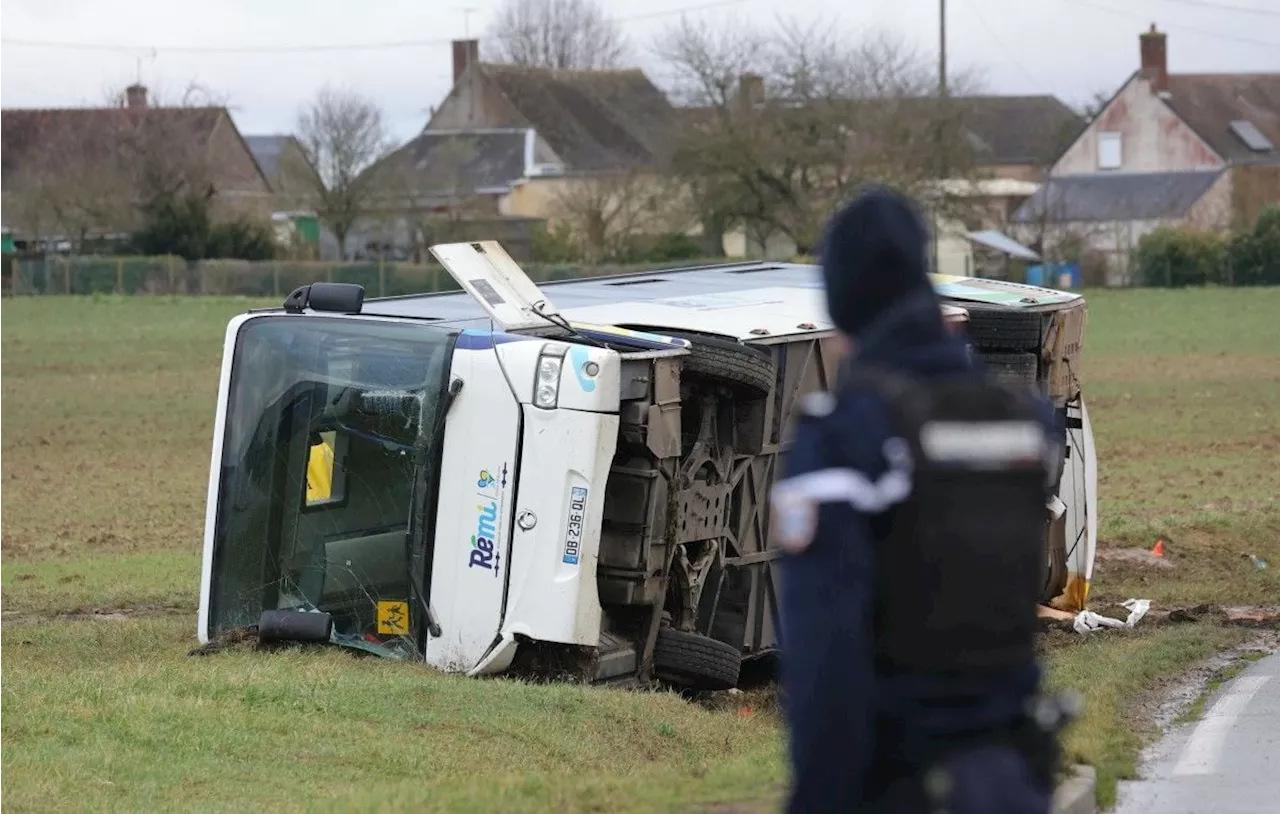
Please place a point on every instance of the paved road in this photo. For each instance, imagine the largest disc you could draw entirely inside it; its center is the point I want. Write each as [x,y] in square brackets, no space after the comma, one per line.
[1227,763]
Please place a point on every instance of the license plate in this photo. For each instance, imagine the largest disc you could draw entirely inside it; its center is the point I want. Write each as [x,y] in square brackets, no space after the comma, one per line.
[573,531]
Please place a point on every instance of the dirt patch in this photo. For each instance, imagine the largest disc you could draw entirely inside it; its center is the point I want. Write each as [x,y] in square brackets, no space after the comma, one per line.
[1266,616]
[96,615]
[1133,556]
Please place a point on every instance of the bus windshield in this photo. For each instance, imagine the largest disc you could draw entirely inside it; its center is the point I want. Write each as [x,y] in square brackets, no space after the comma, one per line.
[330,424]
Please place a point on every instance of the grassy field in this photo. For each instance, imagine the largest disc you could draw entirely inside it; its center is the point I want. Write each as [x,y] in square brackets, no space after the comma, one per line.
[104,460]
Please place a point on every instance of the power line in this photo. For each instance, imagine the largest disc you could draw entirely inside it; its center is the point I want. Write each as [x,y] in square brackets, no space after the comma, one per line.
[1266,12]
[329,47]
[1187,29]
[976,8]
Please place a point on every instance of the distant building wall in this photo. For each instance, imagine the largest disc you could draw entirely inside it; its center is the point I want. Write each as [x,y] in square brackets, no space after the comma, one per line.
[241,188]
[1016,172]
[1152,138]
[1253,188]
[1214,211]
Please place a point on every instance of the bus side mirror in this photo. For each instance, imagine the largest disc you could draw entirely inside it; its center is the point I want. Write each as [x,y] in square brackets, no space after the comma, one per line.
[342,298]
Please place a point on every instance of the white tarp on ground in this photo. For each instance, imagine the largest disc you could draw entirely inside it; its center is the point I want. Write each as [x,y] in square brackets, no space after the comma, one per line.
[1003,243]
[1088,621]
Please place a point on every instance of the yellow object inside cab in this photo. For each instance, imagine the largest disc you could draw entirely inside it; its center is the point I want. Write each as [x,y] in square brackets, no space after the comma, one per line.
[320,469]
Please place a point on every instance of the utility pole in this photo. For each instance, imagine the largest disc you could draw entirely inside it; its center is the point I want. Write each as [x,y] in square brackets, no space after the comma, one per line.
[941,133]
[942,47]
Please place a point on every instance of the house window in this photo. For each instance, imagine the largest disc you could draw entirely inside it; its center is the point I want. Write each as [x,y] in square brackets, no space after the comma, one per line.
[1109,151]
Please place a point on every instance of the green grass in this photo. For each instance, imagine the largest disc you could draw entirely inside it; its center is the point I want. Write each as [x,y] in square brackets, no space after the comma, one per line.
[1116,672]
[104,459]
[1195,711]
[1182,388]
[116,711]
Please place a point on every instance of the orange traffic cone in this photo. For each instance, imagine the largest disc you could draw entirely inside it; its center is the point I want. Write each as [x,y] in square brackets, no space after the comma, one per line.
[1158,548]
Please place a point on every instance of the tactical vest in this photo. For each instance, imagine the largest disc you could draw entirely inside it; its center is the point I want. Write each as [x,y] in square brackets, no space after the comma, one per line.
[960,563]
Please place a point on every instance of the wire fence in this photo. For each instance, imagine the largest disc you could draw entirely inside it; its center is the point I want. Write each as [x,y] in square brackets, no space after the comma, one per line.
[141,276]
[167,276]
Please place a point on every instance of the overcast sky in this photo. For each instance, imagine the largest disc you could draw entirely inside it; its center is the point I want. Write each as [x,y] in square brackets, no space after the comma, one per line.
[1070,48]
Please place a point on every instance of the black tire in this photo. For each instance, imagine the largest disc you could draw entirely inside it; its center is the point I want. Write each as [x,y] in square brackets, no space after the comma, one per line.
[695,662]
[1017,369]
[994,327]
[747,371]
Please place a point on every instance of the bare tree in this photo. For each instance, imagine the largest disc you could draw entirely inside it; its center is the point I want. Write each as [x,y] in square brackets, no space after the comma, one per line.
[791,120]
[604,212]
[342,134]
[557,34]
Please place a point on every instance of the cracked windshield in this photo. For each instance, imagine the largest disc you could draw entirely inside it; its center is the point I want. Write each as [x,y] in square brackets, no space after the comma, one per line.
[331,432]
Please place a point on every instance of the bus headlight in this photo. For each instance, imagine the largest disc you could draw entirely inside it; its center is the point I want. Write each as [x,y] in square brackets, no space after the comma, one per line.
[546,388]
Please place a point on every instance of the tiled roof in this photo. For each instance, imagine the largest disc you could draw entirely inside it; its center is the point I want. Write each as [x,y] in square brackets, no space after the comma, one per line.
[450,163]
[1002,130]
[95,133]
[266,151]
[593,120]
[1209,103]
[1019,129]
[1117,197]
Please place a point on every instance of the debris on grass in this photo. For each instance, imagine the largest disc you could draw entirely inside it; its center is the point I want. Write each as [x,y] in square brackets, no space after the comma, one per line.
[1259,564]
[1088,621]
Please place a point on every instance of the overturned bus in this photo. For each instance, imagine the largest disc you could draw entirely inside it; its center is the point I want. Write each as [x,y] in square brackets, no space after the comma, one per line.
[503,477]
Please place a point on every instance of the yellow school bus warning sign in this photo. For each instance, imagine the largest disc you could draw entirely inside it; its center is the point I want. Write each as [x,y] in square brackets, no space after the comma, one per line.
[393,618]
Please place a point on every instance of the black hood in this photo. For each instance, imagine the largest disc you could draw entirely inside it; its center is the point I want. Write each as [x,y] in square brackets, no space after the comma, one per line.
[874,255]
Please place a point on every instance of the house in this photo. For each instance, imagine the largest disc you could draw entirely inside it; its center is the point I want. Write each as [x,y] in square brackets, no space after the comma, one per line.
[71,175]
[295,184]
[1000,148]
[289,172]
[1193,150]
[1017,137]
[1013,142]
[514,142]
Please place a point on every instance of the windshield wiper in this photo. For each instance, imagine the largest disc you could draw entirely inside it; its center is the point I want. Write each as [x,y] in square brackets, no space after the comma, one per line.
[425,450]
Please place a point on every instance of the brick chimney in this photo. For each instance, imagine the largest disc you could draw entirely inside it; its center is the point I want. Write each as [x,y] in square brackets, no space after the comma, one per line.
[135,96]
[1155,61]
[465,54]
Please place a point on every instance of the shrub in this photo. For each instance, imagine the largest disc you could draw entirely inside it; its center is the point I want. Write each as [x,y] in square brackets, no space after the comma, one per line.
[1254,256]
[672,246]
[1178,258]
[553,245]
[181,225]
[241,239]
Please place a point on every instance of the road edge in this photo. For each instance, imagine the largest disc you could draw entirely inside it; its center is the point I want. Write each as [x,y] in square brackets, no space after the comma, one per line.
[1078,794]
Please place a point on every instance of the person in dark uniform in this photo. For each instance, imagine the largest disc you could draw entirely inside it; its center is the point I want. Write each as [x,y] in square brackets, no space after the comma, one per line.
[911,511]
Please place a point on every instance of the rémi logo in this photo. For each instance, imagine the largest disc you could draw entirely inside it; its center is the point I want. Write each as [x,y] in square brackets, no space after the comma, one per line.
[484,542]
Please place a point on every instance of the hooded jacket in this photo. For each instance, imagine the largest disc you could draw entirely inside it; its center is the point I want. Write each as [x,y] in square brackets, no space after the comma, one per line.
[852,730]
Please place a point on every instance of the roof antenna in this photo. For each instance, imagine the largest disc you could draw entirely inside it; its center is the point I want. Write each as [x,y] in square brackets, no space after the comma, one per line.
[467,11]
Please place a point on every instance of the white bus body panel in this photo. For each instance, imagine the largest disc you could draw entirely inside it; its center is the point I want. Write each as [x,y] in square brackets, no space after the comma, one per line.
[473,521]
[566,456]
